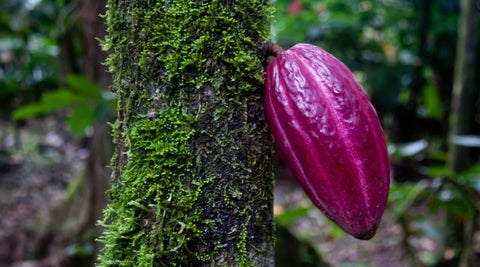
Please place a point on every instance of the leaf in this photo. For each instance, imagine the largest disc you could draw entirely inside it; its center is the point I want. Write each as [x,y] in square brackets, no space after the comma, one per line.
[439,171]
[289,216]
[410,148]
[431,99]
[335,231]
[61,98]
[84,87]
[403,196]
[51,101]
[105,107]
[33,110]
[80,119]
[467,140]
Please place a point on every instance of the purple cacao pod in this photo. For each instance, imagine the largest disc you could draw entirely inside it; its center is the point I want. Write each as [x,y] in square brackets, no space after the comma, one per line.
[329,134]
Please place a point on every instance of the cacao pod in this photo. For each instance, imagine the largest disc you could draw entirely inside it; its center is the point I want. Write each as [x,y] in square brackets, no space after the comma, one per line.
[328,133]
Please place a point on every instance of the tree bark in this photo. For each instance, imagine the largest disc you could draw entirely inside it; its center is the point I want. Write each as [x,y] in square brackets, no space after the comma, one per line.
[463,101]
[97,180]
[464,85]
[192,172]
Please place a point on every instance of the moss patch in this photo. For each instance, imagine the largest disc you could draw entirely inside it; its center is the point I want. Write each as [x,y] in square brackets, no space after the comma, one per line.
[156,193]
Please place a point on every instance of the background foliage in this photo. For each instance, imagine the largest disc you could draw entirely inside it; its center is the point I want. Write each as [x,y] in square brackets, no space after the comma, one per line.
[401,51]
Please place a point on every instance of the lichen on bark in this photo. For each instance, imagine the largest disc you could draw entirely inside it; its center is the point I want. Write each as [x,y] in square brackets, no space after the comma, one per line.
[192,173]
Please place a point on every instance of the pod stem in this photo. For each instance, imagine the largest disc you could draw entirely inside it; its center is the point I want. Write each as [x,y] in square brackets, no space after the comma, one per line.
[267,50]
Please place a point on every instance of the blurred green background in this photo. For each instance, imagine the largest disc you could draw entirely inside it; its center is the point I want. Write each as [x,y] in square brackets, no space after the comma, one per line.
[55,103]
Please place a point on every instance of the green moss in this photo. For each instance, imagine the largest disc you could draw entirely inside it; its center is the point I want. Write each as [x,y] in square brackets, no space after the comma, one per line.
[242,246]
[156,192]
[204,39]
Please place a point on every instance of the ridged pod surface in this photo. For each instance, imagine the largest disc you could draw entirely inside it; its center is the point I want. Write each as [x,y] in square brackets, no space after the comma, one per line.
[329,134]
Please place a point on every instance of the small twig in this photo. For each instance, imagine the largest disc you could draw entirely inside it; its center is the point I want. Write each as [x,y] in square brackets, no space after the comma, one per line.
[267,50]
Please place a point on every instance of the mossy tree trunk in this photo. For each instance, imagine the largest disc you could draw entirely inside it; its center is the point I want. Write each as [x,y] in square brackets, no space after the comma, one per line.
[192,172]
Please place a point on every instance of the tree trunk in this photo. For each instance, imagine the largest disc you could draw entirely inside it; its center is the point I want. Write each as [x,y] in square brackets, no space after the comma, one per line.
[464,85]
[97,175]
[192,172]
[74,219]
[463,101]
